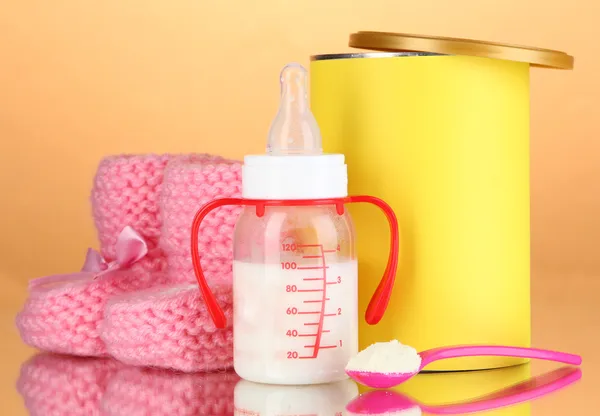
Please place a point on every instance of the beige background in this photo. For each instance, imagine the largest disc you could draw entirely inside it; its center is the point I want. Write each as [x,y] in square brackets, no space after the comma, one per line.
[78,81]
[81,79]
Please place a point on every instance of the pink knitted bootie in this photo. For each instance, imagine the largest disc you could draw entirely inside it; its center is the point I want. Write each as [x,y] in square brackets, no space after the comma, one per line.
[169,326]
[126,192]
[188,185]
[67,386]
[138,391]
[63,312]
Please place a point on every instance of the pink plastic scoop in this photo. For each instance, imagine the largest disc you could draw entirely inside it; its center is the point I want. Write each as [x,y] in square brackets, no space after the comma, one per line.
[387,380]
[385,401]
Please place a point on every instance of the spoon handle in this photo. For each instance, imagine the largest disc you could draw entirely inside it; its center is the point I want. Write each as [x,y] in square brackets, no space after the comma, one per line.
[442,353]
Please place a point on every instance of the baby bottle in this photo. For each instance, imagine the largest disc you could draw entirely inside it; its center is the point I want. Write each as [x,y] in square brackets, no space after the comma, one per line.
[295,273]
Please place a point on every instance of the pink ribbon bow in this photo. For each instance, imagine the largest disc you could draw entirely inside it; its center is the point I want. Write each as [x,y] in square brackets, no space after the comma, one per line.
[130,248]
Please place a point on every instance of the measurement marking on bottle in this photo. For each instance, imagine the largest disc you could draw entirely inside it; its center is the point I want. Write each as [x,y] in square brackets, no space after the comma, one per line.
[330,314]
[320,267]
[324,347]
[320,324]
[312,267]
[313,335]
[331,283]
[315,301]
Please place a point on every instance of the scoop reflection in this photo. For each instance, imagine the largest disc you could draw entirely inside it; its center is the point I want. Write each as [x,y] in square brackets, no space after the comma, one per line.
[253,399]
[385,401]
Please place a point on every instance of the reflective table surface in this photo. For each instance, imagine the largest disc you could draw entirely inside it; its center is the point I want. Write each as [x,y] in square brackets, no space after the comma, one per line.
[565,318]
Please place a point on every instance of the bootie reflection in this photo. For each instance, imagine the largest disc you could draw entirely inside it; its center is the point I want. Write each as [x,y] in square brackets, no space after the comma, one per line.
[138,391]
[62,385]
[500,402]
[252,399]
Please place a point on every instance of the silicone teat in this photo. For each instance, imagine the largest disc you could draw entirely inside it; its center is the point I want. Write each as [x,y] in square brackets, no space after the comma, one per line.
[294,130]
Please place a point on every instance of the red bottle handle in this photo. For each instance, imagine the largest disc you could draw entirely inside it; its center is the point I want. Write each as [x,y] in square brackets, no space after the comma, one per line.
[381,297]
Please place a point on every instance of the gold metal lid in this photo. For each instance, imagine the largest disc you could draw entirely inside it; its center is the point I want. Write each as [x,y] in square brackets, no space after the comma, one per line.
[402,42]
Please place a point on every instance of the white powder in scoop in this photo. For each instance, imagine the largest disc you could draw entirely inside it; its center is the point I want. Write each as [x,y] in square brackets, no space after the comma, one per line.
[386,357]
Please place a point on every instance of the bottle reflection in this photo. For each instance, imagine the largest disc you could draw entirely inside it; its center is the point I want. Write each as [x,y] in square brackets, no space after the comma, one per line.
[511,399]
[252,399]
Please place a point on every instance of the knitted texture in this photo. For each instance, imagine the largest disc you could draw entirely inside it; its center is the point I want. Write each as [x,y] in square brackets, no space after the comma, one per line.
[125,192]
[152,392]
[169,327]
[54,385]
[65,318]
[190,183]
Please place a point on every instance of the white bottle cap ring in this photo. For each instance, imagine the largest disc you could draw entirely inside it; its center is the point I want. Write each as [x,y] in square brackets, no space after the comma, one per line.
[294,177]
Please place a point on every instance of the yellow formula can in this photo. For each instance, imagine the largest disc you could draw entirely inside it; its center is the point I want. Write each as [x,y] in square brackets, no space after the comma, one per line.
[444,139]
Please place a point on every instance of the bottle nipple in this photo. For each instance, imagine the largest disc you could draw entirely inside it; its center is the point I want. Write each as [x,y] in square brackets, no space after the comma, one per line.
[294,130]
